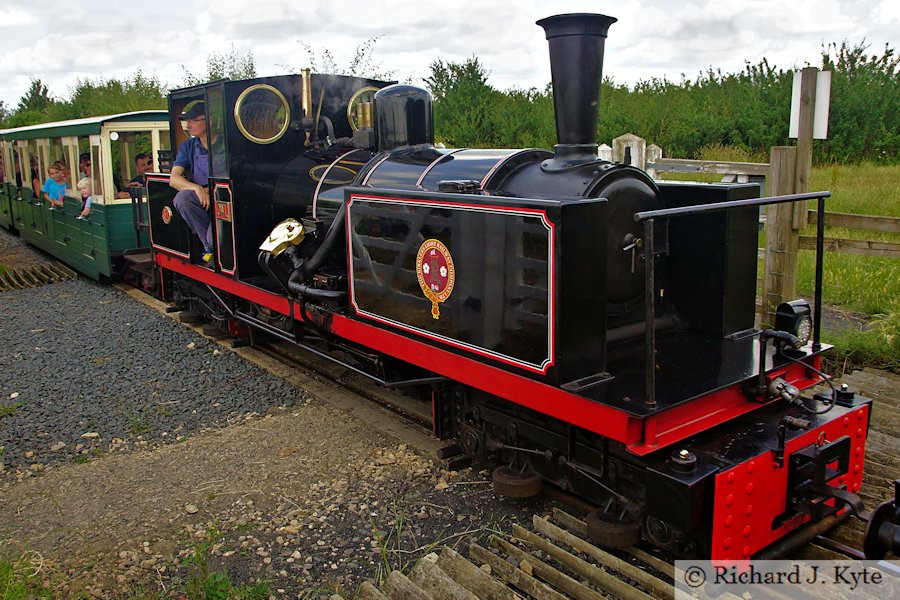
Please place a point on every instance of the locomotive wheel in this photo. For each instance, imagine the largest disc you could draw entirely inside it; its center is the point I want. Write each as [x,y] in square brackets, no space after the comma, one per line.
[512,484]
[190,317]
[607,531]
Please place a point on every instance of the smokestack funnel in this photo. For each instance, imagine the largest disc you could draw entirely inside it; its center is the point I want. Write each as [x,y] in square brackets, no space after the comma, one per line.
[576,65]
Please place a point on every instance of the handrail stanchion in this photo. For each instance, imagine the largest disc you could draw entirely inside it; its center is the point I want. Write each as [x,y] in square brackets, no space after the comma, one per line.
[649,315]
[820,258]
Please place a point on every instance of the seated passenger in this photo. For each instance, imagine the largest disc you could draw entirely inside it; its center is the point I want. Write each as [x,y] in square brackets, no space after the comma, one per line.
[84,164]
[85,188]
[36,179]
[54,189]
[190,176]
[143,164]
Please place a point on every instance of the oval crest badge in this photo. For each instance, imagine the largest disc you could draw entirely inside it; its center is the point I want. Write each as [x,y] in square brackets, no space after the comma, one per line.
[435,272]
[166,214]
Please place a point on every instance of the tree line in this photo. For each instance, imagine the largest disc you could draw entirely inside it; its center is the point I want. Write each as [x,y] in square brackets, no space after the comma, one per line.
[95,97]
[747,111]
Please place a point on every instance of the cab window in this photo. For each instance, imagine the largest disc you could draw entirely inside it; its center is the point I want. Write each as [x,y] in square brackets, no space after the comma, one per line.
[215,107]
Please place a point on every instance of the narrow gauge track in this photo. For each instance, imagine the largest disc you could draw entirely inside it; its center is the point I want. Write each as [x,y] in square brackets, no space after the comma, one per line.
[553,558]
[550,560]
[34,276]
[395,401]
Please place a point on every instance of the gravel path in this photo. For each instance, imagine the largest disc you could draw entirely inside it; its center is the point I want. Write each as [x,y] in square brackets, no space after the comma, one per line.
[86,369]
[15,253]
[131,442]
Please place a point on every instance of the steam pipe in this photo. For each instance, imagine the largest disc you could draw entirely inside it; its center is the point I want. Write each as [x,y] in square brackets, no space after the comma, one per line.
[298,279]
[576,45]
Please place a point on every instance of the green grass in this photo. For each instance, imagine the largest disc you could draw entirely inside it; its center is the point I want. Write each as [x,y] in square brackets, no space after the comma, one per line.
[7,410]
[865,284]
[21,578]
[203,583]
[136,424]
[864,189]
[876,346]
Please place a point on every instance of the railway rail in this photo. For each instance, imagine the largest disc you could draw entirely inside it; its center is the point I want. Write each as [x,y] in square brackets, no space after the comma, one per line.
[392,400]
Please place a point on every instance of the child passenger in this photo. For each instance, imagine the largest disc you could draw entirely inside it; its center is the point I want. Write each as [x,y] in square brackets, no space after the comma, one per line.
[85,187]
[54,188]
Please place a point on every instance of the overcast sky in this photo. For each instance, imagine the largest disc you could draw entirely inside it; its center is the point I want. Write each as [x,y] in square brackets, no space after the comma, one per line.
[59,42]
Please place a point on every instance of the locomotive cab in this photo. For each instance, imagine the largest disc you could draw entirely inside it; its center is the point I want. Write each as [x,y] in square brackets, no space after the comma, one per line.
[273,143]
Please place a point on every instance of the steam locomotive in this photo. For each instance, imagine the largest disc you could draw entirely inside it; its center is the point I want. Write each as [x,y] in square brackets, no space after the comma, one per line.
[571,320]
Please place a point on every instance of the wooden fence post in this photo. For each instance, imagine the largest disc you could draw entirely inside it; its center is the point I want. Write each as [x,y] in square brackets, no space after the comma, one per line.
[782,240]
[804,142]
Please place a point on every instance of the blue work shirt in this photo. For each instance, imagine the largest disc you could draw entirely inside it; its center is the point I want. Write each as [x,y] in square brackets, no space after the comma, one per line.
[194,159]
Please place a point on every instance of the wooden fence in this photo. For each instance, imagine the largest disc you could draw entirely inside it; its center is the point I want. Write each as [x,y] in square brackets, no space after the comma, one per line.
[854,246]
[783,223]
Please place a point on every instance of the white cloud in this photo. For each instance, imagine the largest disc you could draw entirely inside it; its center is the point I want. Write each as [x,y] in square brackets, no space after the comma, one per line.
[652,38]
[12,16]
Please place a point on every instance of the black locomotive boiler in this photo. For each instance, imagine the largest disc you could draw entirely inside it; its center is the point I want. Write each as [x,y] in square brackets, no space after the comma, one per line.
[570,319]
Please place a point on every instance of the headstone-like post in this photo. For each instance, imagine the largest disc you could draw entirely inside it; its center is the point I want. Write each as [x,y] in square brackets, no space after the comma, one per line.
[654,153]
[604,152]
[638,148]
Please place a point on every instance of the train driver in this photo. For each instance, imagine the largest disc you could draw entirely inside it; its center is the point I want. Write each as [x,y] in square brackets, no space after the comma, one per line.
[190,176]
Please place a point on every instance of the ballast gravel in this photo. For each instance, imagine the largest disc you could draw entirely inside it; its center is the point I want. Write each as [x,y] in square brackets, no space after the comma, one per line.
[265,483]
[86,369]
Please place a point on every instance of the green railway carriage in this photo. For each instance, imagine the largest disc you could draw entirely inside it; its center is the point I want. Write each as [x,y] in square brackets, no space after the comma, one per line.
[95,245]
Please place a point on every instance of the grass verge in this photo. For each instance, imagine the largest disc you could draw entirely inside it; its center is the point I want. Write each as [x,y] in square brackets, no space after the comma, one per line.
[203,583]
[877,346]
[21,578]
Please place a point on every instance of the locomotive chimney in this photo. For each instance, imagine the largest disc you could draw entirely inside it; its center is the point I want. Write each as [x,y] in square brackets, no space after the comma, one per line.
[576,65]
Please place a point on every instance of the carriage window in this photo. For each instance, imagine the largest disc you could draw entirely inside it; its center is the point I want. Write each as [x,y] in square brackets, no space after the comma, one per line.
[96,177]
[70,149]
[262,114]
[19,154]
[125,147]
[8,163]
[84,157]
[57,153]
[37,170]
[165,146]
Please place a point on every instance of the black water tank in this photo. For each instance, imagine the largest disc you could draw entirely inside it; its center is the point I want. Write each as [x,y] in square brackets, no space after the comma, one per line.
[403,117]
